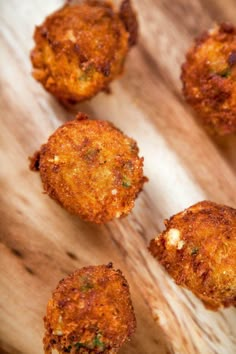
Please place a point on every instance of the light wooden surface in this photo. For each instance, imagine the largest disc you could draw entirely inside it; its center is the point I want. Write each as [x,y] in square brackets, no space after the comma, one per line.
[40,242]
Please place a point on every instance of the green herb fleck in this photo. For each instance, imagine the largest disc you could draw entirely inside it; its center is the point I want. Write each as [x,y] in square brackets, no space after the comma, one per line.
[97,341]
[84,77]
[79,345]
[68,349]
[195,251]
[225,73]
[91,155]
[86,287]
[86,284]
[126,182]
[87,73]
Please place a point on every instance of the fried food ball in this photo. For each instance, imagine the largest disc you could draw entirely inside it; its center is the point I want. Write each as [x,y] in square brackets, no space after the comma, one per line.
[82,47]
[209,79]
[91,168]
[90,312]
[198,249]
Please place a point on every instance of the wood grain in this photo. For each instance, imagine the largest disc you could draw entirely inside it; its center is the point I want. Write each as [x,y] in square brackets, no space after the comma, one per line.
[40,242]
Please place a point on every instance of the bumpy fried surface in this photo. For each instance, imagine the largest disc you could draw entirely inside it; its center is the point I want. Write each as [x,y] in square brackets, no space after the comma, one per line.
[198,249]
[82,47]
[209,79]
[92,169]
[90,312]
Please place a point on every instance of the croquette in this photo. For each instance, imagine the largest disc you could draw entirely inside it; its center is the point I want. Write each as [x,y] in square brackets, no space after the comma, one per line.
[91,168]
[209,79]
[198,249]
[89,312]
[82,47]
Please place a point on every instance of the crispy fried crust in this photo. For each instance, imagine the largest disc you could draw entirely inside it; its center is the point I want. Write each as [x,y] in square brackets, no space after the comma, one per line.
[198,249]
[129,18]
[34,161]
[81,48]
[90,312]
[92,169]
[208,77]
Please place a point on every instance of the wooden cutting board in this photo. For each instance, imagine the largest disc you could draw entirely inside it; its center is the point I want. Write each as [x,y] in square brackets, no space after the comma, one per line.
[40,242]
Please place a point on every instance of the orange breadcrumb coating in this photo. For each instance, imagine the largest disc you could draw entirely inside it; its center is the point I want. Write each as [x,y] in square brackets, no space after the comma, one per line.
[82,47]
[90,312]
[198,249]
[91,168]
[209,79]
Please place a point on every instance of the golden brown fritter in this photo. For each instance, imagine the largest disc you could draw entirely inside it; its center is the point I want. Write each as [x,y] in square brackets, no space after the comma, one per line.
[90,312]
[92,169]
[198,249]
[209,79]
[82,47]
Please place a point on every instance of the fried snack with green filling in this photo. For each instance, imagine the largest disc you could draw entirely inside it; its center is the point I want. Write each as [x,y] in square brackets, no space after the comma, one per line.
[82,47]
[91,168]
[209,79]
[89,312]
[198,249]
